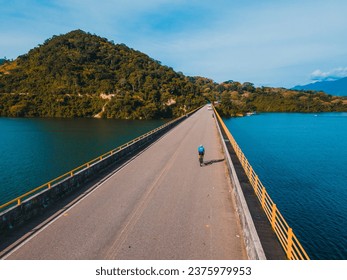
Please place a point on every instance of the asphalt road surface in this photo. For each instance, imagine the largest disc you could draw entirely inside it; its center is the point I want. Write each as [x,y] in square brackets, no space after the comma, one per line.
[161,205]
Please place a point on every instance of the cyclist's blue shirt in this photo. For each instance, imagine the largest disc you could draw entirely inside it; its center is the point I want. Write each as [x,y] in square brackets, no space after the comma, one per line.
[201,149]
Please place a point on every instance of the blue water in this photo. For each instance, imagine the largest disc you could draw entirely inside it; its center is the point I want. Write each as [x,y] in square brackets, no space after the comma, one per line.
[35,151]
[302,161]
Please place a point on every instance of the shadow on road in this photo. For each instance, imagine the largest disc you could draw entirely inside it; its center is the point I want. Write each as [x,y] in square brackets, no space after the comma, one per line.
[209,162]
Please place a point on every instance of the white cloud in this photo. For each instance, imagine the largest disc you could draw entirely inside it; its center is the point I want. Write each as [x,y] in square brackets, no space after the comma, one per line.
[331,75]
[261,43]
[265,42]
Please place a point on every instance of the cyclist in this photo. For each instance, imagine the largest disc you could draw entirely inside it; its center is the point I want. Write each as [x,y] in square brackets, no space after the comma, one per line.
[201,151]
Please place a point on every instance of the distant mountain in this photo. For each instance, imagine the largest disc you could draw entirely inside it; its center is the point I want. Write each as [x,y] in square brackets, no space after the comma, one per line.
[338,87]
[2,60]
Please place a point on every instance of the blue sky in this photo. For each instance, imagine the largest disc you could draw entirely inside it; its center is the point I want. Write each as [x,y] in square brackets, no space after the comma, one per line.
[269,42]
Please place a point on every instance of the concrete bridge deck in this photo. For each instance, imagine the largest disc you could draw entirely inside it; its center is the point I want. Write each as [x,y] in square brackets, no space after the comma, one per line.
[160,205]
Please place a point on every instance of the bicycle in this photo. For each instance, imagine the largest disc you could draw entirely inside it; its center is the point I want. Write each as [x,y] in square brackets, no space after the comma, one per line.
[201,159]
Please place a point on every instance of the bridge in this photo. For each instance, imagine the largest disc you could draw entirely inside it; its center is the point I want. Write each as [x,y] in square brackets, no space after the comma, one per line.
[153,201]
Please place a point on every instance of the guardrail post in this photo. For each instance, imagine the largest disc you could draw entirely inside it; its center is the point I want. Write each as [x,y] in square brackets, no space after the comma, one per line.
[250,171]
[242,156]
[19,202]
[256,182]
[289,243]
[250,175]
[263,191]
[273,215]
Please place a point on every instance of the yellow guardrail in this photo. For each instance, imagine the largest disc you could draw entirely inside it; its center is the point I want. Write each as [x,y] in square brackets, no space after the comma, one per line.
[71,173]
[284,233]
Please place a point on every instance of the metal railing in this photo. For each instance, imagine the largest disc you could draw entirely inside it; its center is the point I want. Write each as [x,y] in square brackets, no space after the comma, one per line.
[284,233]
[18,200]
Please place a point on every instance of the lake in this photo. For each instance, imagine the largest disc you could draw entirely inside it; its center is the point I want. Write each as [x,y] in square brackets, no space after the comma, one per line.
[302,161]
[34,151]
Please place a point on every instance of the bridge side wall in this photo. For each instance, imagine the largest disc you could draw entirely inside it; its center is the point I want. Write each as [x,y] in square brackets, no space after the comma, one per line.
[19,214]
[253,245]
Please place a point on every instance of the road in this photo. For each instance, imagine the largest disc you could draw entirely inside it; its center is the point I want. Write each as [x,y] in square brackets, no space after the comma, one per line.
[161,205]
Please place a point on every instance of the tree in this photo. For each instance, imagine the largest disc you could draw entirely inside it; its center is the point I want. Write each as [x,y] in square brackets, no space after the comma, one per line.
[247,86]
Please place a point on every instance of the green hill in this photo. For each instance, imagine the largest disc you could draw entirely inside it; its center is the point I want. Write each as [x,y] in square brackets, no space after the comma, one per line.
[83,75]
[79,74]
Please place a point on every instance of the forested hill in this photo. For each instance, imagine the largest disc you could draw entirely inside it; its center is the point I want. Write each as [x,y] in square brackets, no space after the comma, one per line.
[83,75]
[79,74]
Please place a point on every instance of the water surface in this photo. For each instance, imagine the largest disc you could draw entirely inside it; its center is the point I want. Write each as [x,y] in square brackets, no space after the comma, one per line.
[302,161]
[34,151]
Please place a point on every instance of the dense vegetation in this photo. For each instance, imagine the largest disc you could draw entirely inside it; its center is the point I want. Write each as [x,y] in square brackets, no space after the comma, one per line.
[80,69]
[83,75]
[238,99]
